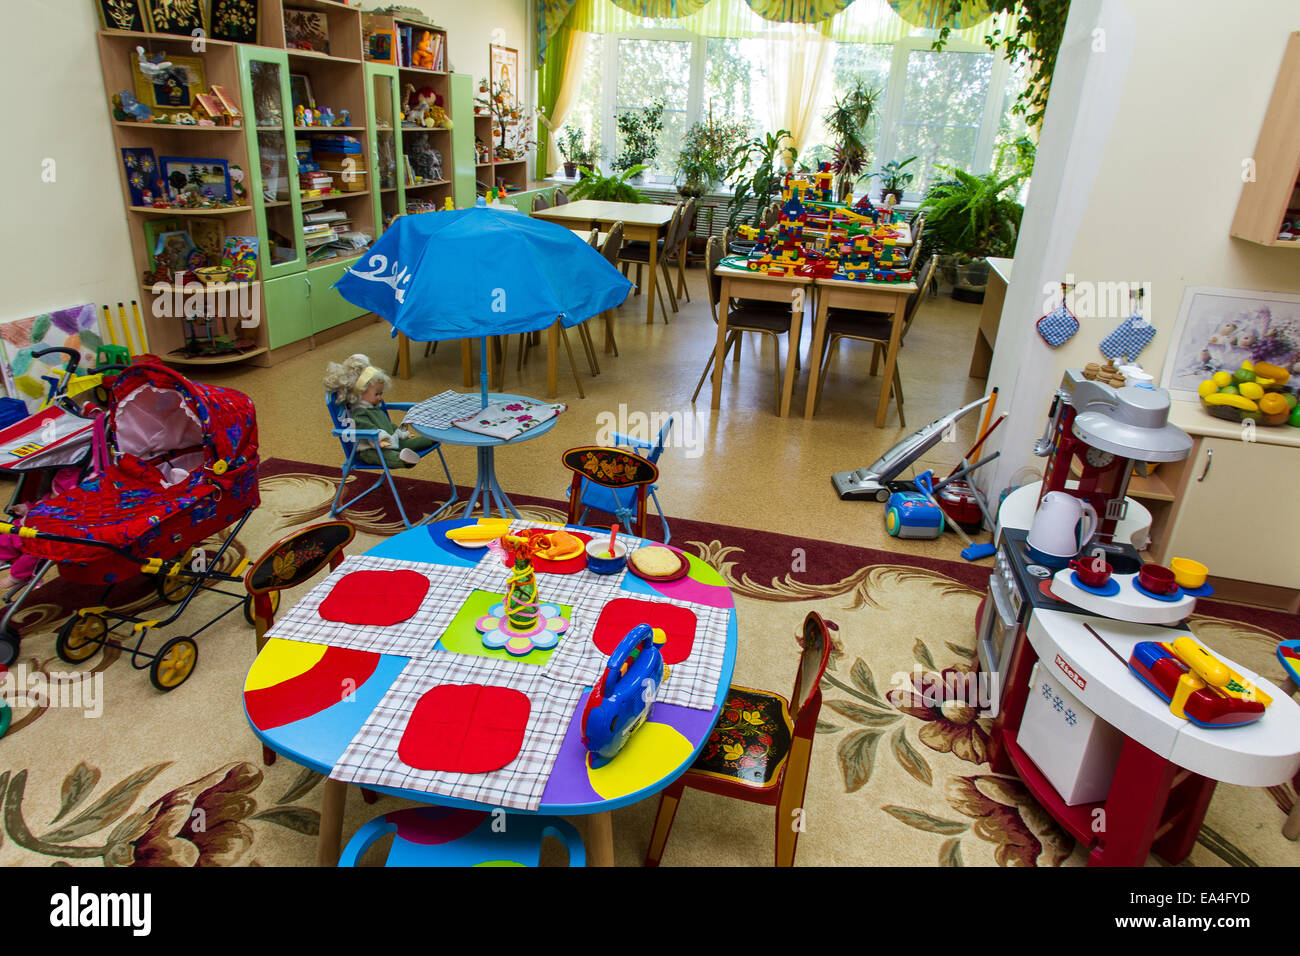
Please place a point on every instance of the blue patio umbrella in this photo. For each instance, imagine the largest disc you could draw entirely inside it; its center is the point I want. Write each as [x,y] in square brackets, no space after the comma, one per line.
[478,272]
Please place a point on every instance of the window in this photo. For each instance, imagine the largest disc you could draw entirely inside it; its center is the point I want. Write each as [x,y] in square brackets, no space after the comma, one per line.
[948,108]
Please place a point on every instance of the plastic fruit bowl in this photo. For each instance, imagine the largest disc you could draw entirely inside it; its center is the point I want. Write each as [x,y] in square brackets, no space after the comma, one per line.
[1230,414]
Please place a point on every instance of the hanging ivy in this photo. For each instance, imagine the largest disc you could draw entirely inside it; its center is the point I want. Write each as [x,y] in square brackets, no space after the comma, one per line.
[1035,39]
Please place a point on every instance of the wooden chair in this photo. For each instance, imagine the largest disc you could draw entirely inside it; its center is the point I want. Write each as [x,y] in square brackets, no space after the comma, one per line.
[612,246]
[638,254]
[443,836]
[293,560]
[874,327]
[684,232]
[561,197]
[540,202]
[763,318]
[612,468]
[777,775]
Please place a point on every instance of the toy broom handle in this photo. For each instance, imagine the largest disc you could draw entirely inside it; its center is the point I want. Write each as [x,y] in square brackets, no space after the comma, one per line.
[139,327]
[108,326]
[126,329]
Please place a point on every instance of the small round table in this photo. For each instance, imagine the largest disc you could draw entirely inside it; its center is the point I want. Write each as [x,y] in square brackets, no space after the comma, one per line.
[313,727]
[486,482]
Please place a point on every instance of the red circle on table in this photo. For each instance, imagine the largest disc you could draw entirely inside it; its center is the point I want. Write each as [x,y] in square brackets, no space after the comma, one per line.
[378,598]
[622,614]
[465,728]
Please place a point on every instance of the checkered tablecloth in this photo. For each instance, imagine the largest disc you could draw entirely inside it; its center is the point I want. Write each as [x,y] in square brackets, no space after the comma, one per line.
[437,413]
[414,637]
[371,758]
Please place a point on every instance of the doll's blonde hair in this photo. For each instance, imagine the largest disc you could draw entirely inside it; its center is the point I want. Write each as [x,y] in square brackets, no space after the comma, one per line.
[341,379]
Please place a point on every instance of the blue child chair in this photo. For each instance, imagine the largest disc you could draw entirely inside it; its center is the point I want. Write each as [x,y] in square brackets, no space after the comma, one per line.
[621,502]
[350,437]
[441,836]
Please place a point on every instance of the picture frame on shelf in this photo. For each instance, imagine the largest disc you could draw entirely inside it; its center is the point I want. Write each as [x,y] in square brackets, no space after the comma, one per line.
[143,175]
[174,91]
[122,15]
[210,236]
[234,20]
[505,69]
[154,228]
[381,47]
[177,17]
[175,248]
[306,30]
[300,91]
[179,172]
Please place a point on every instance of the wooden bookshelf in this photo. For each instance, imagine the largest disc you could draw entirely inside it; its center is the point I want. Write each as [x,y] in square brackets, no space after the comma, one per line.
[1274,196]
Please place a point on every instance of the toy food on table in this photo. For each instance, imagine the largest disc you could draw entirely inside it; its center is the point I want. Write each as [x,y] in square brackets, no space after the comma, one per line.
[481,533]
[1197,685]
[555,545]
[654,559]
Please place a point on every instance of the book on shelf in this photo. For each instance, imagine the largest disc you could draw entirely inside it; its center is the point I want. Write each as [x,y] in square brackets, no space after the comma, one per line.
[324,215]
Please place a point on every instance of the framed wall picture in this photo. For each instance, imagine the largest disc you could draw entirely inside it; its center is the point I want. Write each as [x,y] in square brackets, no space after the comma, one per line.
[122,15]
[210,176]
[171,90]
[143,177]
[1218,329]
[306,30]
[181,17]
[234,20]
[381,46]
[505,70]
[300,91]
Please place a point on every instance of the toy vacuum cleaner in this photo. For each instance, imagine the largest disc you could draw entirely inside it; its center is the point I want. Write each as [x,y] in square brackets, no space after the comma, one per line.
[623,697]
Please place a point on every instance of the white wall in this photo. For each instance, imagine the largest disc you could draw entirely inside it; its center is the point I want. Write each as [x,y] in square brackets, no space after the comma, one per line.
[1137,179]
[66,240]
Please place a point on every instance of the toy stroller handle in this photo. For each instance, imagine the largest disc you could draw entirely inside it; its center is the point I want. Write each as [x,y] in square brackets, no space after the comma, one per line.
[73,356]
[640,637]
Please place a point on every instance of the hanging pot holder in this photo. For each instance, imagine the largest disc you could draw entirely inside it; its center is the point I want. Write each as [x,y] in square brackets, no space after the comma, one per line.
[1129,338]
[1058,326]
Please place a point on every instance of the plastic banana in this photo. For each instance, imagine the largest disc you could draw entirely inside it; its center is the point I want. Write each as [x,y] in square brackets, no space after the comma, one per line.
[1236,401]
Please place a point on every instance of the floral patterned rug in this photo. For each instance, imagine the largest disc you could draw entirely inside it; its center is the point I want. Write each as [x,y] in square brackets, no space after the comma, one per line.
[104,770]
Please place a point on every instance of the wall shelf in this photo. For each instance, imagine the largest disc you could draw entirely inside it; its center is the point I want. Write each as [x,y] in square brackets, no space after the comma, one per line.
[1274,196]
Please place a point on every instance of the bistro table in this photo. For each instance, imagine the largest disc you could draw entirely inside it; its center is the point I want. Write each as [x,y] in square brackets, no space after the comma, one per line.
[293,701]
[889,297]
[744,284]
[485,483]
[642,222]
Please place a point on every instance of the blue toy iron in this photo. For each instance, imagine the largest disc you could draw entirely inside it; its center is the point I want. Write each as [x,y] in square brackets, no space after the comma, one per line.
[623,697]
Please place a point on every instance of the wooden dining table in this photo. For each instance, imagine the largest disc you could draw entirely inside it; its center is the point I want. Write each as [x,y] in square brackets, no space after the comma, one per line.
[642,222]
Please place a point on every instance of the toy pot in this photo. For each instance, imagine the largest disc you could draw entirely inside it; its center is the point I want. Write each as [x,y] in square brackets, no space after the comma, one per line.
[1188,573]
[1157,579]
[598,559]
[1088,574]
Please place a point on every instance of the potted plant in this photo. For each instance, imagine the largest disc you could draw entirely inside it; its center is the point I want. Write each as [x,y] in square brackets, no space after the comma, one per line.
[848,121]
[570,145]
[756,168]
[893,181]
[587,159]
[616,188]
[706,151]
[967,219]
[640,131]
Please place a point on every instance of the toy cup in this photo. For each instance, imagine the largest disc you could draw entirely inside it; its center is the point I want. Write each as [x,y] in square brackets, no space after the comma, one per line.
[1157,579]
[601,561]
[1188,573]
[1088,574]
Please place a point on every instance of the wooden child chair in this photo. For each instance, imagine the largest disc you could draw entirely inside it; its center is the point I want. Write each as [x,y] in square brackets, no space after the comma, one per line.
[611,468]
[441,836]
[779,777]
[291,561]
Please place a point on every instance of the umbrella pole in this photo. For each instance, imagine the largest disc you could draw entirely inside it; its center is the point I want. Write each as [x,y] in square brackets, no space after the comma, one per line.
[483,369]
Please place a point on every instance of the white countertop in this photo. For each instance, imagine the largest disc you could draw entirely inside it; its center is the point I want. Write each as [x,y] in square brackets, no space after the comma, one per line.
[1195,420]
[1261,754]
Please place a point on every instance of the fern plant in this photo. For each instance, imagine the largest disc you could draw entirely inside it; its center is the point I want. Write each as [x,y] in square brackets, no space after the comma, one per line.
[972,216]
[614,188]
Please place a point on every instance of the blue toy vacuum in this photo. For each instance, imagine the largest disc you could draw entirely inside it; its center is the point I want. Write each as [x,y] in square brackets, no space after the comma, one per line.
[623,697]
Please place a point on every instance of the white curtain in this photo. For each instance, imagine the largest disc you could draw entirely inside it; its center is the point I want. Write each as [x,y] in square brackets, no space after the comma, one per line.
[574,63]
[799,63]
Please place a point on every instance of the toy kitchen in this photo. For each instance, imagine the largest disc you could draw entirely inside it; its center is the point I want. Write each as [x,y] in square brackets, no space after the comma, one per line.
[1102,699]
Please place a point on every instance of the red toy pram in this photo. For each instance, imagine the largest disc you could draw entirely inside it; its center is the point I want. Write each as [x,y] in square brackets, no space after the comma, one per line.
[176,462]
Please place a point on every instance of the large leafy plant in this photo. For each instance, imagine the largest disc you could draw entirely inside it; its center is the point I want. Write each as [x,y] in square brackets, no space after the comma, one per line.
[849,121]
[614,188]
[707,150]
[972,216]
[756,168]
[639,132]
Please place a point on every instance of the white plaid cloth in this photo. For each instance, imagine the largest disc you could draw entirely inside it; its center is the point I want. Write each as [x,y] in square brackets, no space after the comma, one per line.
[414,637]
[371,758]
[436,413]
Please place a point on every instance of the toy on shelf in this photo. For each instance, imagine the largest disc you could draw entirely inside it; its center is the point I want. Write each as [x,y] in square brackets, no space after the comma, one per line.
[623,697]
[422,56]
[1198,686]
[521,623]
[127,107]
[424,107]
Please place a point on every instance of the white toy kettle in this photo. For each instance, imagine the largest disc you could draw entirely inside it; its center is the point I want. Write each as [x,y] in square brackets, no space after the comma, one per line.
[1056,534]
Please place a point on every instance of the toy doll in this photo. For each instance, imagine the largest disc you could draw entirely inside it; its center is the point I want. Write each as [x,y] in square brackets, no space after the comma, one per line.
[21,566]
[359,388]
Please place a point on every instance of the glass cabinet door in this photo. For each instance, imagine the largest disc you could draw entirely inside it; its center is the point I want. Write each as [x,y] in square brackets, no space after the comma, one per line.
[274,189]
[386,143]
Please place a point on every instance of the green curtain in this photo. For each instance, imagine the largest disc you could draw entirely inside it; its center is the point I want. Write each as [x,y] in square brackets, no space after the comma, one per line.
[797,11]
[669,9]
[935,14]
[550,15]
[550,75]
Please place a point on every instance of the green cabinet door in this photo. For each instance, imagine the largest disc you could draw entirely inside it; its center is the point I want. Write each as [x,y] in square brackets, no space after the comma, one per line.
[328,308]
[462,140]
[288,308]
[384,121]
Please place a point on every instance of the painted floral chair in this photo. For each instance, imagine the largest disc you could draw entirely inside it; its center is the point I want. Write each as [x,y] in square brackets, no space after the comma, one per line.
[759,749]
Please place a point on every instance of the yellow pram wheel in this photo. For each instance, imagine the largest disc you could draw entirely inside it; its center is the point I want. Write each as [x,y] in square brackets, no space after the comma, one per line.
[80,638]
[174,663]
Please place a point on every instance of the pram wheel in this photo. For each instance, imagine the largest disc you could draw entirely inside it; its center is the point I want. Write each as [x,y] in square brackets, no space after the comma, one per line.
[173,588]
[80,638]
[9,642]
[248,607]
[174,663]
